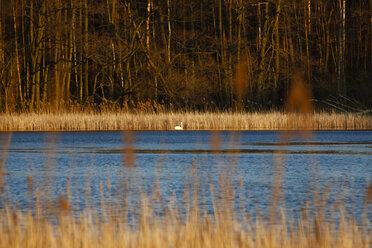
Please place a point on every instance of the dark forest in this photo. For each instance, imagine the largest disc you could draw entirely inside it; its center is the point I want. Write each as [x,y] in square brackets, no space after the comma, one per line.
[185,54]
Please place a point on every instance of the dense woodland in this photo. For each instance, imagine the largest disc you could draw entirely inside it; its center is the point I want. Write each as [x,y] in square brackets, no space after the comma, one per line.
[184,54]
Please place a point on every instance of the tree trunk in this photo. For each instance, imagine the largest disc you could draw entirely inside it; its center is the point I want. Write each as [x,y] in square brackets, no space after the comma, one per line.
[222,49]
[308,38]
[262,60]
[74,45]
[80,73]
[169,31]
[32,65]
[2,55]
[290,40]
[230,73]
[148,25]
[17,52]
[277,45]
[25,62]
[341,48]
[240,23]
[86,45]
[218,55]
[2,47]
[259,42]
[370,41]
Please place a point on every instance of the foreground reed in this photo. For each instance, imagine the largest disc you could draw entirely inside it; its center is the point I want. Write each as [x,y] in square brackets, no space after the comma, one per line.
[23,230]
[93,121]
[50,224]
[153,221]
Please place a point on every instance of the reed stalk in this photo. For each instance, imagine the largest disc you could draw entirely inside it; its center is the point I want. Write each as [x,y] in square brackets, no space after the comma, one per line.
[109,121]
[221,229]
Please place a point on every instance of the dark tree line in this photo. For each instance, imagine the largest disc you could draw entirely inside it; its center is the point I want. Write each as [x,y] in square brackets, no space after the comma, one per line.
[194,54]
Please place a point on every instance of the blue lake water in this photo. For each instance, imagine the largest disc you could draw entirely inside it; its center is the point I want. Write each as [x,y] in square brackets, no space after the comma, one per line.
[114,164]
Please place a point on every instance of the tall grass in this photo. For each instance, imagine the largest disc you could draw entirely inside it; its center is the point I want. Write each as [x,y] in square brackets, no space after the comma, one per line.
[174,227]
[123,120]
[24,230]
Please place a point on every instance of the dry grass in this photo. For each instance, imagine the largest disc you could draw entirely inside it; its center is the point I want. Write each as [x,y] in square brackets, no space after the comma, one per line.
[81,121]
[24,230]
[176,228]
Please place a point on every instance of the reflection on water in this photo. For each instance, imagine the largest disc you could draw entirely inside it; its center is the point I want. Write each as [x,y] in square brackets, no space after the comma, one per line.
[172,161]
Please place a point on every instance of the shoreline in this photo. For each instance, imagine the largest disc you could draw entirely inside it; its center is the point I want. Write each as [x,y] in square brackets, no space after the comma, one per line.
[191,130]
[193,121]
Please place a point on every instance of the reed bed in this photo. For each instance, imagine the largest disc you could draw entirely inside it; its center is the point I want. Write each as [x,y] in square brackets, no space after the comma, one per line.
[52,224]
[107,121]
[24,230]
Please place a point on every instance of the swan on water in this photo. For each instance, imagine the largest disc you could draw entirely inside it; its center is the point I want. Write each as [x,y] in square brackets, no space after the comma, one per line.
[179,127]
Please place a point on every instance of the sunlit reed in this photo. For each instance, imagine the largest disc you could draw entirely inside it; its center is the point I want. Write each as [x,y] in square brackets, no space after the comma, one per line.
[191,121]
[221,229]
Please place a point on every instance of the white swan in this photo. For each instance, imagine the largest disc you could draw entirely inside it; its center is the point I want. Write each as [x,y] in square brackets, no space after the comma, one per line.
[179,127]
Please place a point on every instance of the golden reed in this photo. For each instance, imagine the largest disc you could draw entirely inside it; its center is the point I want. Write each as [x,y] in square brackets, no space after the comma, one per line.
[191,121]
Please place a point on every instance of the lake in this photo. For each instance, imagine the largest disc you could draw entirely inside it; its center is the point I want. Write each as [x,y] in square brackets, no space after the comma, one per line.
[119,165]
